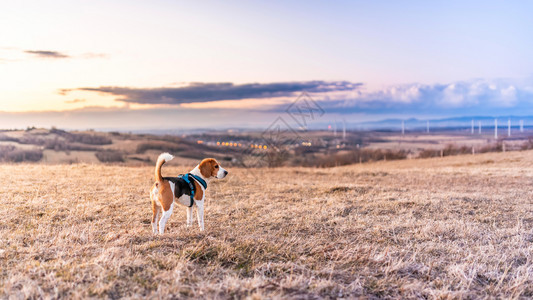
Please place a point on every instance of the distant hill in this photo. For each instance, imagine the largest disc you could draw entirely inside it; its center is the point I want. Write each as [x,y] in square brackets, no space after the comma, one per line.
[441,124]
[60,146]
[313,148]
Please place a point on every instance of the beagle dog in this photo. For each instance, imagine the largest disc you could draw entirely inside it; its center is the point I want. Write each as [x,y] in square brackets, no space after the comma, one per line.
[188,191]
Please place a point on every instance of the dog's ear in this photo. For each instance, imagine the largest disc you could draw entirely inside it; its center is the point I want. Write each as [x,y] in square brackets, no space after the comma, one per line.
[206,167]
[214,168]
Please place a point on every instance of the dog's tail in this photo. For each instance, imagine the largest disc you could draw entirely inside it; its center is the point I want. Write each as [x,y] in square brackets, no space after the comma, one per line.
[163,158]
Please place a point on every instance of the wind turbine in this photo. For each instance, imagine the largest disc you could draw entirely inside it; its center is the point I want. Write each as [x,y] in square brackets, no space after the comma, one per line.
[344,129]
[496,128]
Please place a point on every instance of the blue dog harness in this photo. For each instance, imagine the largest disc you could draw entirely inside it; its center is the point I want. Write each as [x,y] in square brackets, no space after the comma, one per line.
[188,178]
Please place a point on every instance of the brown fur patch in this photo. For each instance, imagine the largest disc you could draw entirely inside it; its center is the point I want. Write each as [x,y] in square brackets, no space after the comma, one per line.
[199,194]
[166,197]
[208,167]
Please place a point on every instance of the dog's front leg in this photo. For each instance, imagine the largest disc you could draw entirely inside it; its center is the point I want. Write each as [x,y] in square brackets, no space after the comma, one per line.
[189,216]
[200,213]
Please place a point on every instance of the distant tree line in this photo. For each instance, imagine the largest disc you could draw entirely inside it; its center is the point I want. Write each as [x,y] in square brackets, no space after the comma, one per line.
[9,153]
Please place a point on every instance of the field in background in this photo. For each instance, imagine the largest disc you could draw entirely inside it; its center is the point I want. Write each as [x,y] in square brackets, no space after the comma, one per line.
[53,146]
[248,148]
[458,227]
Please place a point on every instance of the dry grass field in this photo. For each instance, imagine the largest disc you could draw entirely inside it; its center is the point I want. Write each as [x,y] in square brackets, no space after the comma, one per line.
[453,227]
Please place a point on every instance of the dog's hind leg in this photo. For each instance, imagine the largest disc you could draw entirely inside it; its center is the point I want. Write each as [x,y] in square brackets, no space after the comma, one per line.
[156,208]
[164,219]
[156,211]
[166,198]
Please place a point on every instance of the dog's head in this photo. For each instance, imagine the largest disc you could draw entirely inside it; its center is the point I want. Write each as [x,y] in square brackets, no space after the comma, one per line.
[210,167]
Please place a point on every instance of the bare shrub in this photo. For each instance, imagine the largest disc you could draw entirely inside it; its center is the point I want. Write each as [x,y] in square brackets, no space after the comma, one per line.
[352,157]
[13,154]
[427,153]
[90,139]
[62,145]
[276,158]
[4,150]
[32,140]
[159,145]
[56,144]
[527,145]
[497,147]
[456,150]
[84,138]
[109,156]
[6,138]
[193,154]
[451,149]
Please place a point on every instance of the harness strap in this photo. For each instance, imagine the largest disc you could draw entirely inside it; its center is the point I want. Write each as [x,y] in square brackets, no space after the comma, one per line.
[199,179]
[187,178]
[191,187]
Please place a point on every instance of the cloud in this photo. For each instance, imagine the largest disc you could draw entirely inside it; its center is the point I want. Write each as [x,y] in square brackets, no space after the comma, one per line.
[479,97]
[207,92]
[47,54]
[91,55]
[472,97]
[75,101]
[462,97]
[13,54]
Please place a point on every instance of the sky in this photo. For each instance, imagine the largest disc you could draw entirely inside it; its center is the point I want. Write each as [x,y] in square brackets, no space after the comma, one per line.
[220,64]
